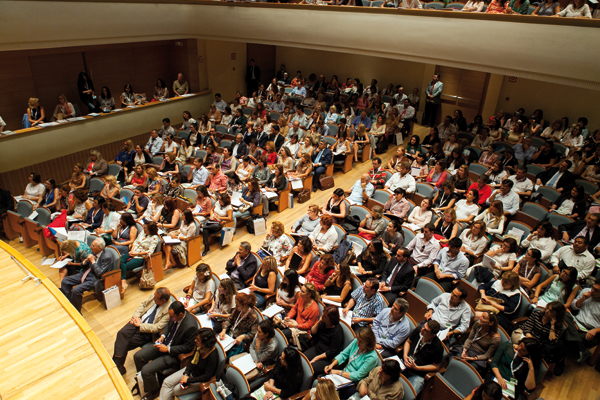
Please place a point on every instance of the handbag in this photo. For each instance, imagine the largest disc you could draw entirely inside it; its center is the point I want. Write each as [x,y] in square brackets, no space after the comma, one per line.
[488,307]
[244,207]
[147,280]
[326,182]
[304,196]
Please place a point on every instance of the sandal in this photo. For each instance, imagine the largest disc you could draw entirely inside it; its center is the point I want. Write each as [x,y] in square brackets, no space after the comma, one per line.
[124,288]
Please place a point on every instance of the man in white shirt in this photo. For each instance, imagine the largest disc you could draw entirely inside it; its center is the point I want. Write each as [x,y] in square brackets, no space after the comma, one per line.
[576,256]
[406,111]
[278,105]
[167,129]
[361,190]
[299,117]
[219,103]
[450,308]
[522,185]
[402,179]
[295,130]
[425,249]
[446,128]
[198,174]
[400,96]
[510,200]
[154,144]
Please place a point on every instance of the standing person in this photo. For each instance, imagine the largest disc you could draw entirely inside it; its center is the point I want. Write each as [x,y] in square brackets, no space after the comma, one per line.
[85,87]
[432,100]
[252,77]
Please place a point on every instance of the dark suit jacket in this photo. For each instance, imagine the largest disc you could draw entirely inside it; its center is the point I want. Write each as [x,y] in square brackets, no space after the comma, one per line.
[574,228]
[278,140]
[566,181]
[326,158]
[249,136]
[404,277]
[246,270]
[262,139]
[242,149]
[184,340]
[6,201]
[102,265]
[249,73]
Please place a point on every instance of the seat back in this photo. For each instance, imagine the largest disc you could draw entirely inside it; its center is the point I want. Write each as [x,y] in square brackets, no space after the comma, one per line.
[126,193]
[522,309]
[356,283]
[235,376]
[96,184]
[358,240]
[341,233]
[478,168]
[535,210]
[411,322]
[436,5]
[557,219]
[225,143]
[503,335]
[525,228]
[348,334]
[220,360]
[409,391]
[589,187]
[425,189]
[24,208]
[462,376]
[89,239]
[200,154]
[157,160]
[114,169]
[360,211]
[408,234]
[116,257]
[190,194]
[280,340]
[307,373]
[428,289]
[382,196]
[44,216]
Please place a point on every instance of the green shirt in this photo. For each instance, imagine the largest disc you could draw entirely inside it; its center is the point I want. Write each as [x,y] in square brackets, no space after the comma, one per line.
[358,366]
[523,9]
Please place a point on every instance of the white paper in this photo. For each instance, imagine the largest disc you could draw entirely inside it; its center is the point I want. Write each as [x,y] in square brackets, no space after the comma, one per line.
[61,233]
[235,199]
[131,106]
[186,185]
[80,236]
[224,276]
[61,264]
[443,334]
[415,171]
[272,311]
[18,198]
[93,114]
[47,124]
[170,240]
[245,364]
[333,303]
[33,215]
[301,279]
[402,366]
[260,226]
[227,343]
[76,119]
[205,321]
[112,297]
[358,249]
[187,95]
[297,184]
[488,262]
[412,227]
[338,380]
[541,303]
[244,290]
[161,232]
[117,109]
[348,318]
[48,261]
[197,209]
[354,269]
[62,121]
[269,195]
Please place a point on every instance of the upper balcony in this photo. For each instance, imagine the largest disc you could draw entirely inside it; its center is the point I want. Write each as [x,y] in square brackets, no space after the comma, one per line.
[558,50]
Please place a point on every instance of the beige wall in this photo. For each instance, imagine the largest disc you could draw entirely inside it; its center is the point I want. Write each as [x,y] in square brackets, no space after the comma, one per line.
[557,101]
[385,70]
[225,75]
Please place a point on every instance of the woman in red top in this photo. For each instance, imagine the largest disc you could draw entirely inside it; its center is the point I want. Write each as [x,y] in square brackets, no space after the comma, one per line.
[322,270]
[497,7]
[139,177]
[260,110]
[302,316]
[271,153]
[438,175]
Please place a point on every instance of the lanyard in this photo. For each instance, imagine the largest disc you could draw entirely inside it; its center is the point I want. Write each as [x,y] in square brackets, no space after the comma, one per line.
[527,275]
[239,319]
[354,356]
[357,309]
[513,370]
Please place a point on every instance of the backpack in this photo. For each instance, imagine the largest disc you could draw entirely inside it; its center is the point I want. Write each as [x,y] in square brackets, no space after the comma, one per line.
[342,251]
[351,224]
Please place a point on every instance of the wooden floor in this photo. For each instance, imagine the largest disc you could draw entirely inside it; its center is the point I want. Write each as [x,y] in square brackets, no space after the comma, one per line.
[43,352]
[578,382]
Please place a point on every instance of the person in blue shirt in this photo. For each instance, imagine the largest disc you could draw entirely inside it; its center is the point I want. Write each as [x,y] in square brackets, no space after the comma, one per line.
[391,327]
[362,119]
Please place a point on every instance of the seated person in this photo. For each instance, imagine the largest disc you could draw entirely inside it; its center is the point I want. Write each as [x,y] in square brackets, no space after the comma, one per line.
[391,328]
[223,303]
[446,228]
[321,271]
[402,179]
[482,343]
[139,202]
[94,215]
[372,261]
[328,338]
[529,269]
[397,277]
[587,227]
[561,287]
[285,379]
[220,215]
[325,389]
[397,205]
[368,303]
[494,218]
[242,266]
[373,226]
[504,257]
[475,241]
[309,222]
[242,323]
[505,289]
[445,198]
[301,317]
[520,361]
[510,200]
[421,215]
[393,238]
[150,318]
[425,249]
[546,326]
[339,285]
[263,283]
[304,250]
[141,249]
[198,373]
[449,265]
[582,329]
[383,382]
[361,191]
[198,296]
[324,237]
[452,311]
[362,358]
[276,243]
[263,349]
[522,184]
[186,230]
[170,216]
[80,205]
[575,255]
[423,353]
[288,290]
[75,250]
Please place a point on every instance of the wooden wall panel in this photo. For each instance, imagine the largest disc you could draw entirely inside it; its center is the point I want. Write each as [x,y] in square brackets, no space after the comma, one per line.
[150,64]
[111,68]
[60,169]
[16,86]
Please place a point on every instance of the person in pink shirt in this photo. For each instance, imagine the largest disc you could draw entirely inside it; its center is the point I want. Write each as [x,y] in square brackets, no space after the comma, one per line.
[217,179]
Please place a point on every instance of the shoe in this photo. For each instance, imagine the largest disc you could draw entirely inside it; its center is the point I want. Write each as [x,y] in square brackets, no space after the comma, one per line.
[559,368]
[135,390]
[150,395]
[122,369]
[584,356]
[205,252]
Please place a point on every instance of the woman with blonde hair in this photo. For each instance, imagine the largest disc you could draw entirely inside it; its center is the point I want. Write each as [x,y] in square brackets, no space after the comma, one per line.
[214,115]
[154,182]
[474,241]
[494,218]
[75,250]
[332,116]
[154,208]
[263,283]
[309,222]
[446,227]
[111,187]
[325,390]
[96,165]
[35,112]
[63,109]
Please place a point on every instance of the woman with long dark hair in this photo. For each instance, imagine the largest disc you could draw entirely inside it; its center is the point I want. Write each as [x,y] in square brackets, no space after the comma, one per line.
[85,87]
[372,260]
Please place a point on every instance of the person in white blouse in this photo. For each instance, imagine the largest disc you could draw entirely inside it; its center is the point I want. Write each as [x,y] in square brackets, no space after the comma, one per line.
[573,139]
[496,174]
[554,131]
[411,4]
[421,215]
[467,209]
[577,256]
[474,240]
[504,257]
[494,218]
[473,6]
[542,240]
[324,237]
[577,9]
[402,179]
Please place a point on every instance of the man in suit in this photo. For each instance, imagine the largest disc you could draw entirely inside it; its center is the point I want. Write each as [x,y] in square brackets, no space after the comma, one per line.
[96,265]
[397,276]
[149,319]
[559,178]
[249,133]
[252,77]
[243,266]
[177,340]
[261,136]
[433,100]
[321,159]
[238,148]
[276,138]
[587,228]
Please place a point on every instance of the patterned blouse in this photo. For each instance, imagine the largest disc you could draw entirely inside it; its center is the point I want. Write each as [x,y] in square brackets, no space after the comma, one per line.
[144,244]
[238,324]
[278,246]
[81,252]
[152,186]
